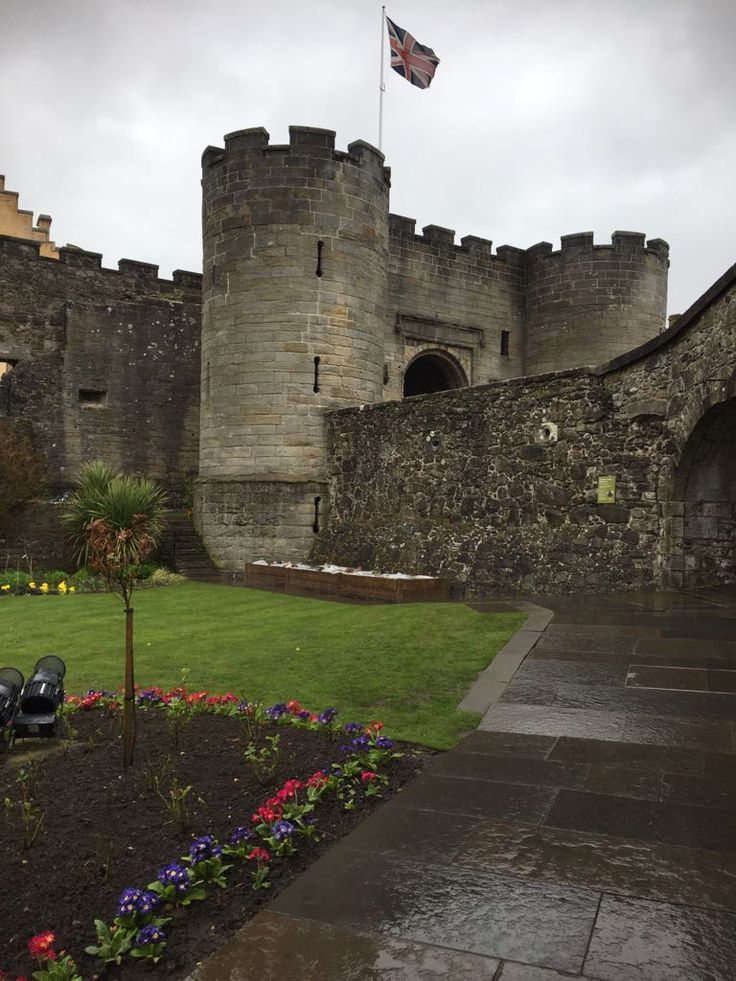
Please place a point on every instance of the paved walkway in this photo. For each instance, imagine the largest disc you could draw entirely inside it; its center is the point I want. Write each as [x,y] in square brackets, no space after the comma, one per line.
[586,830]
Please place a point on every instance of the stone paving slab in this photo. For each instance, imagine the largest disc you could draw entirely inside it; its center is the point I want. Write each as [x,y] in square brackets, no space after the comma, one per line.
[493,915]
[275,947]
[635,940]
[604,863]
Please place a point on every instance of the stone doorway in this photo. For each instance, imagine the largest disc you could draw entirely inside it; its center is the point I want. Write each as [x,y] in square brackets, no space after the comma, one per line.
[701,528]
[433,371]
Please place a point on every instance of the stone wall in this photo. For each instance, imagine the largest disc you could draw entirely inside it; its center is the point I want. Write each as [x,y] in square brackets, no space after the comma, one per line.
[453,298]
[497,486]
[105,362]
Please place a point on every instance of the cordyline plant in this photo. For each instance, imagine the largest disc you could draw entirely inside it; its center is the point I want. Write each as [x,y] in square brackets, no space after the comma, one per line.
[116,522]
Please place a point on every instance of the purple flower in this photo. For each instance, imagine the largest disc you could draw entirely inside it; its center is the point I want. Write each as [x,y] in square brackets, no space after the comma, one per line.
[150,935]
[275,711]
[149,697]
[174,875]
[383,742]
[352,727]
[304,714]
[240,835]
[282,829]
[128,902]
[242,706]
[204,848]
[137,902]
[327,716]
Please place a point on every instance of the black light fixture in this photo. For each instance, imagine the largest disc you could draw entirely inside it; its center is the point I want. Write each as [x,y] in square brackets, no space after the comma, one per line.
[11,683]
[42,696]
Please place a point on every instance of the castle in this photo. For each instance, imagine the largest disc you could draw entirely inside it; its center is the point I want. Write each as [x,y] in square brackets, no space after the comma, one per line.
[281,386]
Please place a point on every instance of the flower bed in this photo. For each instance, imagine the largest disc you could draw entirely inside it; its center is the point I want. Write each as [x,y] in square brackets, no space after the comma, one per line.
[357,584]
[227,803]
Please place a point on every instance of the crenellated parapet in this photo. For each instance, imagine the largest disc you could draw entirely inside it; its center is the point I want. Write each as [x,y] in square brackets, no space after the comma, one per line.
[18,223]
[588,303]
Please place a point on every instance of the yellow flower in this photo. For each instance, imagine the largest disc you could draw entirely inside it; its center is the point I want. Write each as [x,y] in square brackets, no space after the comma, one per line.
[72,589]
[44,587]
[31,585]
[62,587]
[5,587]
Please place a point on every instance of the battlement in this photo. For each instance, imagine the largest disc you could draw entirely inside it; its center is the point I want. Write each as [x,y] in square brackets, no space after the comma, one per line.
[304,141]
[437,237]
[75,258]
[18,223]
[580,243]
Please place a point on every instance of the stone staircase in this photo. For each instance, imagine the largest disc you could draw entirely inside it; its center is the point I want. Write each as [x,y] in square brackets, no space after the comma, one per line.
[183,550]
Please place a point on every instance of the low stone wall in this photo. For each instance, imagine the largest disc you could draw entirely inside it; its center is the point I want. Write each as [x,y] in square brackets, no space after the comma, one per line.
[381,589]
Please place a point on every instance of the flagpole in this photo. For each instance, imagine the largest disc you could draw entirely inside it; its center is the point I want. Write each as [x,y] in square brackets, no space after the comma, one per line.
[382,83]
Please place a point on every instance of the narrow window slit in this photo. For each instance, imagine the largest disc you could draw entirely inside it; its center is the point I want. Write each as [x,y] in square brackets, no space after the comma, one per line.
[315,387]
[505,334]
[315,526]
[320,246]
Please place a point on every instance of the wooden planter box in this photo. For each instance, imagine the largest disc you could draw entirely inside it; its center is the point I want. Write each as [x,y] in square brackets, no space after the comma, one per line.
[375,588]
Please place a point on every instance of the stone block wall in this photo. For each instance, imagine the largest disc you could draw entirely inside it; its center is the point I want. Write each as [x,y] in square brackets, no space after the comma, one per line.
[586,303]
[105,362]
[453,298]
[496,486]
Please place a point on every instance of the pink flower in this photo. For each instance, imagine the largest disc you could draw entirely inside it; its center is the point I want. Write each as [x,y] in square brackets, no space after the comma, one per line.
[368,776]
[260,855]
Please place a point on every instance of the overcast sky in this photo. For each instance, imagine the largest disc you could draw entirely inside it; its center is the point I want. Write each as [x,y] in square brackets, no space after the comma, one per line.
[545,117]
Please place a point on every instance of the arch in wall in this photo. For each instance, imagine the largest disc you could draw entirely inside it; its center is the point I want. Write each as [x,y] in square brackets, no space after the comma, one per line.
[698,498]
[433,371]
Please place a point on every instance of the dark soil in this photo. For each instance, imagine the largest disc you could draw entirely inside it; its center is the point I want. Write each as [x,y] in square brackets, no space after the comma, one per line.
[105,829]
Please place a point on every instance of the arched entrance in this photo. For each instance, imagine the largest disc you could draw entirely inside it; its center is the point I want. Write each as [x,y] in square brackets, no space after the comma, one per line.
[703,511]
[433,371]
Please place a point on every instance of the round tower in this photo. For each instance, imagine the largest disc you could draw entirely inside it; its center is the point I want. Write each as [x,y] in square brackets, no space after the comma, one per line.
[587,304]
[293,321]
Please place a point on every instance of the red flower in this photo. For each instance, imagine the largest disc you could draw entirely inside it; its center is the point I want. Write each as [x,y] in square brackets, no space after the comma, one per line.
[40,945]
[317,779]
[293,706]
[259,855]
[368,776]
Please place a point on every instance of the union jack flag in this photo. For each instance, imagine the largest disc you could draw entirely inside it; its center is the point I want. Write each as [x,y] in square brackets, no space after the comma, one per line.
[413,61]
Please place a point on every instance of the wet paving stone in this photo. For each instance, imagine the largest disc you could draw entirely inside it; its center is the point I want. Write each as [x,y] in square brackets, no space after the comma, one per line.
[274,947]
[525,972]
[507,744]
[672,678]
[702,791]
[558,671]
[593,641]
[494,915]
[478,798]
[719,680]
[636,940]
[511,770]
[621,782]
[553,721]
[413,834]
[675,648]
[604,862]
[686,733]
[668,823]
[667,759]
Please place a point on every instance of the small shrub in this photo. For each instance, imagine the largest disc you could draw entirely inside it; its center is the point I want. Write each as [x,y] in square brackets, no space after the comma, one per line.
[162,577]
[53,578]
[145,570]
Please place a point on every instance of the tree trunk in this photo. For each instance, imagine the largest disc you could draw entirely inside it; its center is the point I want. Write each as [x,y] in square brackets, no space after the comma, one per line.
[129,700]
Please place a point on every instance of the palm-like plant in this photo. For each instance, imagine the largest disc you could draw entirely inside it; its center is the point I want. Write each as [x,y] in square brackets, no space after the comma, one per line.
[115,523]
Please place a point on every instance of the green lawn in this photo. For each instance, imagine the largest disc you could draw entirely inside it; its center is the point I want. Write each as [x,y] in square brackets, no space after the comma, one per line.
[408,665]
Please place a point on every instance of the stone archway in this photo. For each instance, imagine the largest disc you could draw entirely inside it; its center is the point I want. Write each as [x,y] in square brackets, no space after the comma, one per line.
[433,371]
[700,517]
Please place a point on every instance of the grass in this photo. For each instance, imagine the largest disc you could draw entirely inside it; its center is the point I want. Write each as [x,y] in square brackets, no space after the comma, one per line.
[408,665]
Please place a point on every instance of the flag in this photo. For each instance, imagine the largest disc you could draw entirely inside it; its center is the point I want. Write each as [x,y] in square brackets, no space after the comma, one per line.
[413,61]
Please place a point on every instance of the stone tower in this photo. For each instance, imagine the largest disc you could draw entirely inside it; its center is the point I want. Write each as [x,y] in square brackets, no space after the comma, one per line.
[587,304]
[293,321]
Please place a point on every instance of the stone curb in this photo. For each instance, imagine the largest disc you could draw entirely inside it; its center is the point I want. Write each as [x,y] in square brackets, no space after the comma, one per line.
[491,683]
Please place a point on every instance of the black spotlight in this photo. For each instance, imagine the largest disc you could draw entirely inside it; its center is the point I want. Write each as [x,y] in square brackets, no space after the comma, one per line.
[11,683]
[42,696]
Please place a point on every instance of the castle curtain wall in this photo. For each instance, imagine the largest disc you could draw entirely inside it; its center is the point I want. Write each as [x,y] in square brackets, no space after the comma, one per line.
[497,486]
[105,363]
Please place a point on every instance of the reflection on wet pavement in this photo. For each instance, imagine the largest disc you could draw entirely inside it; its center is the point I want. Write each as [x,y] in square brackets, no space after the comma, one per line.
[586,829]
